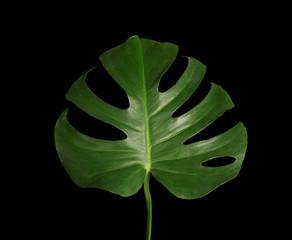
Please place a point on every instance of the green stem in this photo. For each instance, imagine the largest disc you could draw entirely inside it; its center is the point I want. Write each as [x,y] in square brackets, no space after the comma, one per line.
[149,205]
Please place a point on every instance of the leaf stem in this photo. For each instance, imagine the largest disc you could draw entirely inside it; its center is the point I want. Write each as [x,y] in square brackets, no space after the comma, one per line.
[149,206]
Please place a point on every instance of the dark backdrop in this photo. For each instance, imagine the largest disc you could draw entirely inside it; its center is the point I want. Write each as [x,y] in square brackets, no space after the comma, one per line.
[65,45]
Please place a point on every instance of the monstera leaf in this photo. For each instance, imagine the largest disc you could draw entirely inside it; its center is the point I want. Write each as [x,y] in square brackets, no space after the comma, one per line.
[154,143]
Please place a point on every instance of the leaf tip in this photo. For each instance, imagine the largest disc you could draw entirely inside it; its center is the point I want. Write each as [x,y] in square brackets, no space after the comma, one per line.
[66,112]
[135,36]
[241,124]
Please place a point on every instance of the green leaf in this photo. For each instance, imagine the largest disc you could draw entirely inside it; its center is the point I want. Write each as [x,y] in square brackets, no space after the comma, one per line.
[154,143]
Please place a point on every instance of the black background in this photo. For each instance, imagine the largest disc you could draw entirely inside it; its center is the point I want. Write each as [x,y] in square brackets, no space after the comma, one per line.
[233,45]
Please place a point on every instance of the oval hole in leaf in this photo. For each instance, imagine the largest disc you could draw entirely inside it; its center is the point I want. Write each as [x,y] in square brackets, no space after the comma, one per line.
[101,84]
[220,125]
[93,127]
[197,96]
[171,76]
[219,162]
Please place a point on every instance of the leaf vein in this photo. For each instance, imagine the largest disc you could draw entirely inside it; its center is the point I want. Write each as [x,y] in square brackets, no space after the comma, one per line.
[120,168]
[174,172]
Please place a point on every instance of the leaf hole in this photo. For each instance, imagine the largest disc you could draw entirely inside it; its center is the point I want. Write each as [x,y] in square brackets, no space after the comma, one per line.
[102,84]
[194,99]
[93,127]
[219,162]
[172,75]
[220,125]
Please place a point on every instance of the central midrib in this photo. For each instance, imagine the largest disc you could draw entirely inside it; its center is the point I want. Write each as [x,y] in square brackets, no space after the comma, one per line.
[147,134]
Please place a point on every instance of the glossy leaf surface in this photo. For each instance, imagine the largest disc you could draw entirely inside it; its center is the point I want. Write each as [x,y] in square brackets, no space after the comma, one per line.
[155,139]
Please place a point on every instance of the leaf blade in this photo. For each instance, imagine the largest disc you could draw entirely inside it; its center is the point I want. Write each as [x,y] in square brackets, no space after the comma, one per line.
[154,138]
[232,143]
[84,158]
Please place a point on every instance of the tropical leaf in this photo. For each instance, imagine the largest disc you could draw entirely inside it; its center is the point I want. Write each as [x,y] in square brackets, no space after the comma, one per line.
[154,143]
[155,139]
